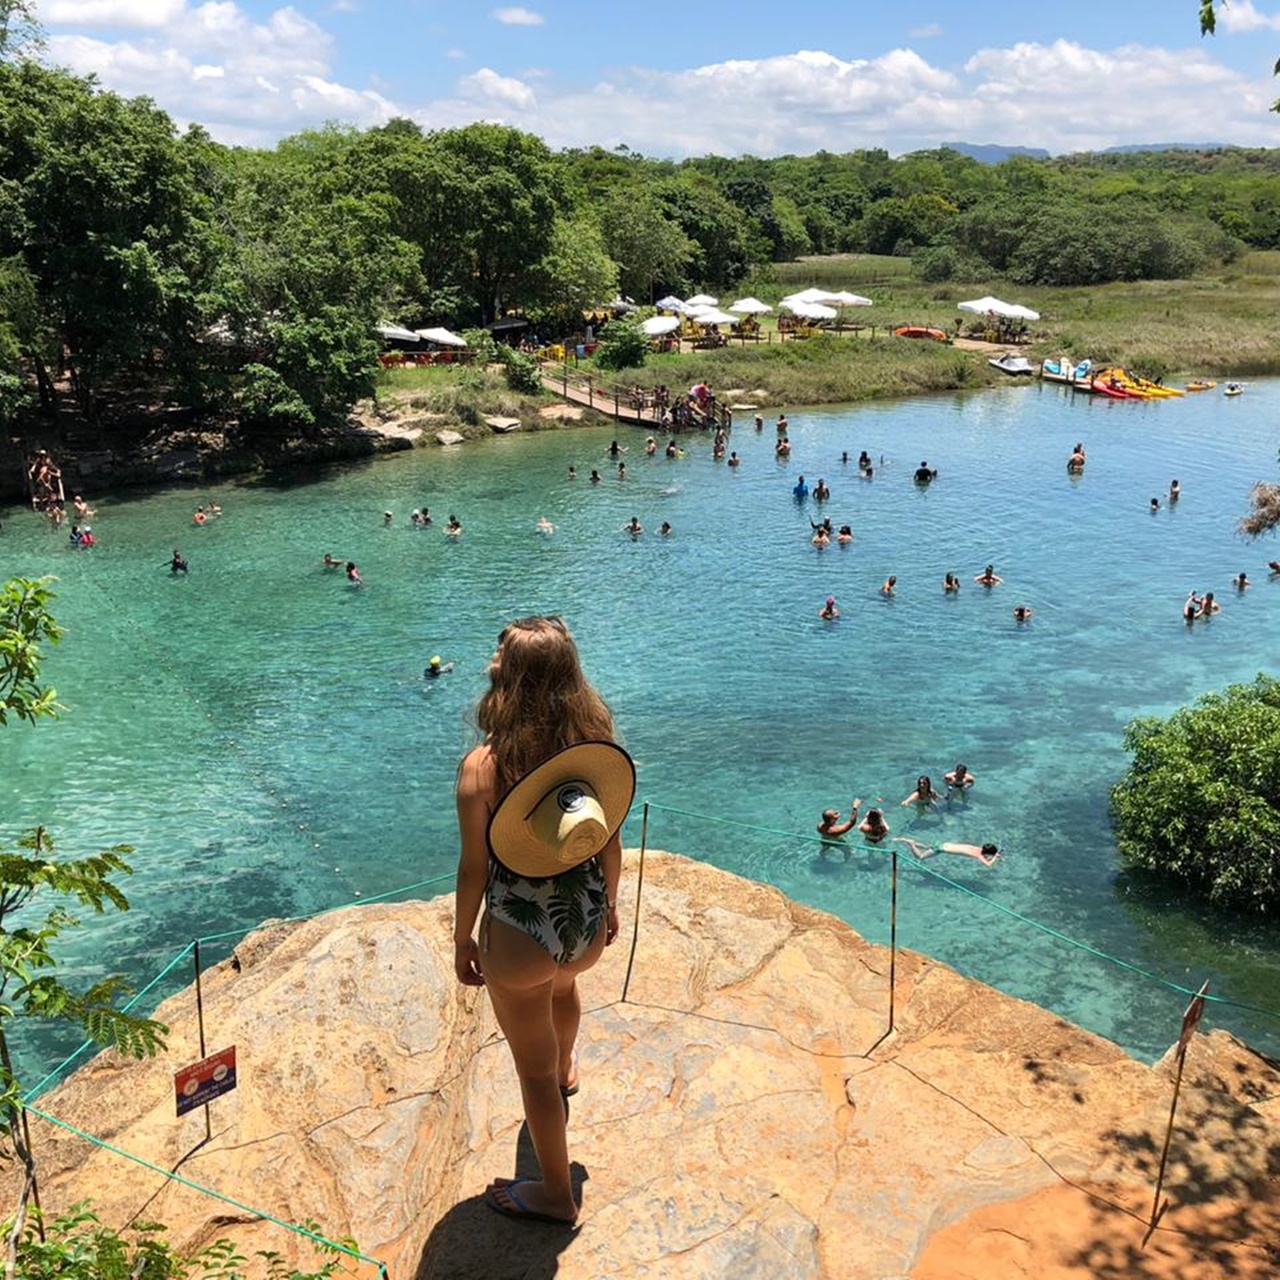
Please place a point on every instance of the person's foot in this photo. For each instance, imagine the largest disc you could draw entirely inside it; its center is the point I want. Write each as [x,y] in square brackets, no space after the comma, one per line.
[569,1077]
[529,1199]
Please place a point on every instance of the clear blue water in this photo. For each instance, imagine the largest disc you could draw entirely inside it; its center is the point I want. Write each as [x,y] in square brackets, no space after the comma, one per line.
[261,733]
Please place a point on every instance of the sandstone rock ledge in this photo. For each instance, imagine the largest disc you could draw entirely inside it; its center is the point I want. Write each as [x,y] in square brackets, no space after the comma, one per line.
[740,1115]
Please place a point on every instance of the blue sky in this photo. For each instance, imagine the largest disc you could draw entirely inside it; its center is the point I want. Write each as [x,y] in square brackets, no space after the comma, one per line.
[690,79]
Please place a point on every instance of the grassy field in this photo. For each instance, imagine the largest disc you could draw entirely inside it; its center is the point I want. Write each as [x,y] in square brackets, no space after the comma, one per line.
[1222,325]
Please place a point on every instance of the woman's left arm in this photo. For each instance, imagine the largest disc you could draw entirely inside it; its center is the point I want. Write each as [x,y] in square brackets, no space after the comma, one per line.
[611,865]
[474,791]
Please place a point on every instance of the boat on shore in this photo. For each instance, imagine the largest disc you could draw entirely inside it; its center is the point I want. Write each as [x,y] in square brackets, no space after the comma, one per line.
[919,331]
[1014,365]
[1062,370]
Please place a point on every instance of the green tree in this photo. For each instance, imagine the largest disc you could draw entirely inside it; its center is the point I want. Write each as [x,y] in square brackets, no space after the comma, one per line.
[622,345]
[28,984]
[1201,799]
[575,274]
[511,194]
[648,246]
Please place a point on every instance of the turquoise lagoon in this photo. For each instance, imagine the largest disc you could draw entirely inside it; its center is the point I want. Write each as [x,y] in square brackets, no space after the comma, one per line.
[261,733]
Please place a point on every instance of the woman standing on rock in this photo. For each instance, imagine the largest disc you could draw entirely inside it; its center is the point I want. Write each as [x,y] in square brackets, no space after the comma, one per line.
[540,807]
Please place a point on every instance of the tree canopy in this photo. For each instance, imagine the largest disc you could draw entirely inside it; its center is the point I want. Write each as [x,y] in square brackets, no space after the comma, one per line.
[1200,802]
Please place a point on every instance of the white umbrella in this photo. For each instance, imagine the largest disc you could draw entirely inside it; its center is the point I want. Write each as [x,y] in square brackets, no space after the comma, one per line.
[709,315]
[1019,312]
[701,300]
[750,307]
[621,304]
[669,303]
[821,296]
[843,299]
[656,326]
[395,333]
[442,337]
[811,310]
[983,306]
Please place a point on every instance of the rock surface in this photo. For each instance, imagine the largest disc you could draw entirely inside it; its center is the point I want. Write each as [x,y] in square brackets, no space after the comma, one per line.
[743,1113]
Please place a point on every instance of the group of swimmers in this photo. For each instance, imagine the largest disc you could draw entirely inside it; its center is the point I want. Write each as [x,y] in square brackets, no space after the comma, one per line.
[889,588]
[874,827]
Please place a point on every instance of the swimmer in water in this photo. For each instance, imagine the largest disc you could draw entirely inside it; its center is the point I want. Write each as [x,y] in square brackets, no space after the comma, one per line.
[666,529]
[671,450]
[801,490]
[573,473]
[1191,607]
[387,517]
[622,471]
[844,458]
[453,527]
[1075,463]
[1242,581]
[959,779]
[1155,505]
[864,461]
[633,526]
[821,491]
[734,460]
[436,668]
[925,474]
[595,476]
[1175,492]
[545,527]
[845,536]
[178,564]
[829,611]
[830,828]
[986,854]
[886,588]
[1209,606]
[951,584]
[1022,613]
[873,827]
[783,448]
[988,577]
[1273,566]
[924,796]
[330,563]
[821,538]
[353,574]
[782,424]
[759,421]
[650,446]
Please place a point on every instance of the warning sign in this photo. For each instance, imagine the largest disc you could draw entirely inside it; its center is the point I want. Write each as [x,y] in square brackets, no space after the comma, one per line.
[1191,1019]
[208,1079]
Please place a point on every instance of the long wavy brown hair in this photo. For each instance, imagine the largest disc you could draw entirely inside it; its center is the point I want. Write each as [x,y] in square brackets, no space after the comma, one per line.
[538,701]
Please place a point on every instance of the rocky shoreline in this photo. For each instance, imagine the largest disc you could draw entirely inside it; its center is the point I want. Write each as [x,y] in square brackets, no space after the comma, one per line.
[744,1112]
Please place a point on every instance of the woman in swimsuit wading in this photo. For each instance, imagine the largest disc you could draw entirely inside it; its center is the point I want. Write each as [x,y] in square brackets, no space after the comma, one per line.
[540,929]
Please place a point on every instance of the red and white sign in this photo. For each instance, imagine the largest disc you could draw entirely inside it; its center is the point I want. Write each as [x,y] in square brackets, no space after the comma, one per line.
[1191,1019]
[208,1079]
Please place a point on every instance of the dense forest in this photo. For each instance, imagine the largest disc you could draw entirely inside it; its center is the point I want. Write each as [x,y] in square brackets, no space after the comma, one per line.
[140,263]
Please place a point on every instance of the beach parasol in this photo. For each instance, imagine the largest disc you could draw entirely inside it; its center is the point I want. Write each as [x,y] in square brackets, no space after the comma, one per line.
[442,337]
[702,300]
[710,315]
[811,310]
[669,303]
[750,307]
[843,299]
[656,326]
[395,333]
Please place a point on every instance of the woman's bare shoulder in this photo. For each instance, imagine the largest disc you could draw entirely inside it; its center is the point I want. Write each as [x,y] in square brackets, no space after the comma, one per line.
[476,772]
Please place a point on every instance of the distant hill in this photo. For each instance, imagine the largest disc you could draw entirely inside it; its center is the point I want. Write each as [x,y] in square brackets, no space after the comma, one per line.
[1166,146]
[994,153]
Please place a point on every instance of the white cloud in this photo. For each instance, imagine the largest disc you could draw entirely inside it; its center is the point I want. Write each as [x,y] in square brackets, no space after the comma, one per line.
[518,17]
[926,32]
[111,13]
[251,80]
[489,89]
[1240,15]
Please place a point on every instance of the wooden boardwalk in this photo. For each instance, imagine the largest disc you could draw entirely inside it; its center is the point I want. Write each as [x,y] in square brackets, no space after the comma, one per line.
[615,403]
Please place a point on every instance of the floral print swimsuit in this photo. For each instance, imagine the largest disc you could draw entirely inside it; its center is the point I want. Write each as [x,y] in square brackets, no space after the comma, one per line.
[561,913]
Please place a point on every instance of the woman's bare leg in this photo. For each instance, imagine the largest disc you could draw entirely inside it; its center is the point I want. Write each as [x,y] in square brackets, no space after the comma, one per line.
[522,981]
[566,1014]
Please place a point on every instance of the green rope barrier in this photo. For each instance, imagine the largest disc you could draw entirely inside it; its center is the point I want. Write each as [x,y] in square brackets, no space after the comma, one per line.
[324,911]
[991,902]
[209,1191]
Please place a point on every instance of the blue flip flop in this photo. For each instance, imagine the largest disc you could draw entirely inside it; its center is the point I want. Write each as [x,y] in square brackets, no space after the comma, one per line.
[518,1209]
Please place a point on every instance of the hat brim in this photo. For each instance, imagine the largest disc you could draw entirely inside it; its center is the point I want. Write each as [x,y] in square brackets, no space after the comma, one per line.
[606,769]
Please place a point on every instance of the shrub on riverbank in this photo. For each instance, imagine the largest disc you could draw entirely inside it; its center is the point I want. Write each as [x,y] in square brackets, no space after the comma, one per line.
[1201,800]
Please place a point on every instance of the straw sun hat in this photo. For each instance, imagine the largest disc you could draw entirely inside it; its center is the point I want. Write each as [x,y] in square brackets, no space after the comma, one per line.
[564,811]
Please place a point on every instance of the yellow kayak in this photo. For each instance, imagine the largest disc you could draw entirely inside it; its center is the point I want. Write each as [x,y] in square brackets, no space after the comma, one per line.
[1201,384]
